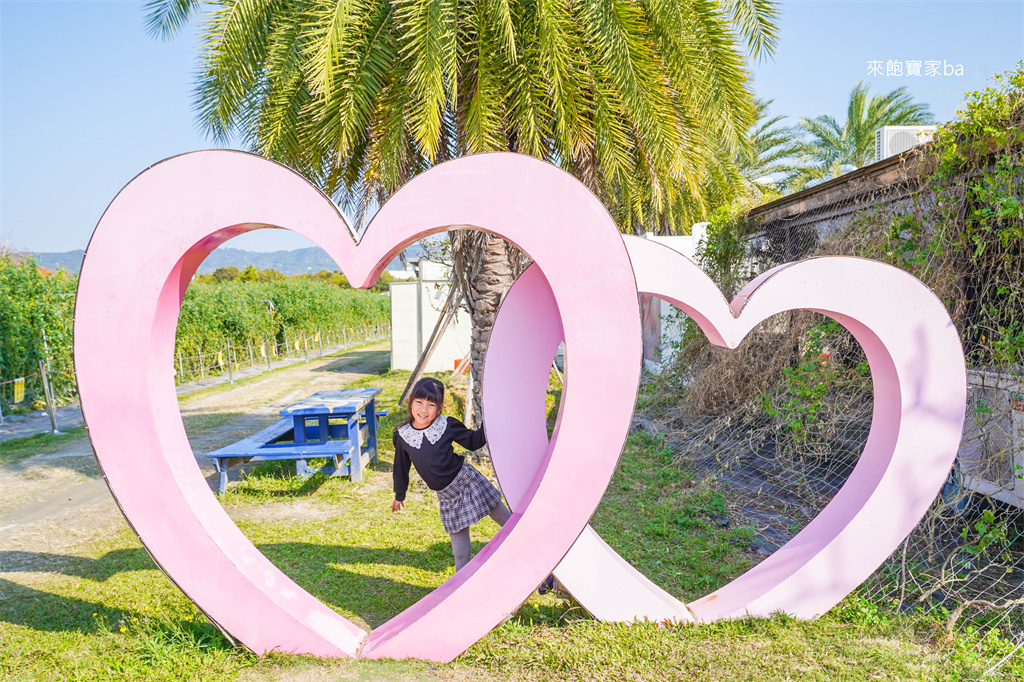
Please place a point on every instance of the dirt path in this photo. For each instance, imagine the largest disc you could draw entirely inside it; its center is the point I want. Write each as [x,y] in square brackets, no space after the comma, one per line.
[53,503]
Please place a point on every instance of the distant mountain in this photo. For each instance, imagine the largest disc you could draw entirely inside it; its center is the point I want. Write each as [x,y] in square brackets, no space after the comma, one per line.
[63,260]
[297,262]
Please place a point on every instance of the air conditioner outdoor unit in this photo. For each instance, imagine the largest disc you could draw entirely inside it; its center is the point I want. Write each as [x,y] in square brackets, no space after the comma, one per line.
[991,457]
[893,140]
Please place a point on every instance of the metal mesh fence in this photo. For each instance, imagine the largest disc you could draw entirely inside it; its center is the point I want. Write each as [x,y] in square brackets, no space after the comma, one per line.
[270,349]
[26,390]
[189,368]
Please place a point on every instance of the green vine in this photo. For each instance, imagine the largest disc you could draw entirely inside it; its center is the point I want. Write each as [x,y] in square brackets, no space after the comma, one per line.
[799,403]
[987,531]
[722,252]
[978,177]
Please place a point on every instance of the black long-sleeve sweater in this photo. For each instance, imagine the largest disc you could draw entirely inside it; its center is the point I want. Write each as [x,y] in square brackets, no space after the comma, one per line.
[430,451]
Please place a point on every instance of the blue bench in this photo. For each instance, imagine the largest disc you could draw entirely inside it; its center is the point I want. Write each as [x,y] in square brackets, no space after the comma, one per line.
[339,426]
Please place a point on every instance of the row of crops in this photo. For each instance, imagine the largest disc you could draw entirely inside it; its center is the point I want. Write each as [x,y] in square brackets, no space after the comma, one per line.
[37,312]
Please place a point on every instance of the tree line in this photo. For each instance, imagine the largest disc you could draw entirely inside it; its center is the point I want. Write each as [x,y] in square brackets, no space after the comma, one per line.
[37,316]
[251,274]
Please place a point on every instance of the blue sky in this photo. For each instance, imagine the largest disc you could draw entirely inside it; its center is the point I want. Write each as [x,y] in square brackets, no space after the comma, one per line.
[88,100]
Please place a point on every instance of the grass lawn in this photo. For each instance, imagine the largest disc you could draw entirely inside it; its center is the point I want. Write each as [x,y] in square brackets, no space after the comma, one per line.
[107,613]
[39,444]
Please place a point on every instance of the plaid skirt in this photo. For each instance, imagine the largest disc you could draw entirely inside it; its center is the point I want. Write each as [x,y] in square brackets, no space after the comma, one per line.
[467,499]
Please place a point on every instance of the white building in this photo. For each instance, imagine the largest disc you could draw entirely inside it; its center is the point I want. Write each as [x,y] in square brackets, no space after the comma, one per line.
[662,321]
[416,305]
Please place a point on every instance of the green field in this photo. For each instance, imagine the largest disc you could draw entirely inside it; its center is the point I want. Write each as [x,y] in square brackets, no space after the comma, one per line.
[104,612]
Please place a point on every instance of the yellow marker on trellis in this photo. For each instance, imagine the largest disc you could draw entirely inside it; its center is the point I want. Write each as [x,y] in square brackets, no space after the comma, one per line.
[263,350]
[220,358]
[316,337]
[296,344]
[19,389]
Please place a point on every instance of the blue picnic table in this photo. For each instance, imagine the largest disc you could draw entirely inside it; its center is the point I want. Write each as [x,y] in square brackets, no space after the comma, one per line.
[340,426]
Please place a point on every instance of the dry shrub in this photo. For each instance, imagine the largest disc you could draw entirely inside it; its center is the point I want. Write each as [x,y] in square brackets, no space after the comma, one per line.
[723,381]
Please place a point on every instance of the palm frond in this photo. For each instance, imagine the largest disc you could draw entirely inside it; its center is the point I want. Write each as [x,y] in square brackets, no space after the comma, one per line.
[831,146]
[231,78]
[647,101]
[429,27]
[164,18]
[327,33]
[756,22]
[504,27]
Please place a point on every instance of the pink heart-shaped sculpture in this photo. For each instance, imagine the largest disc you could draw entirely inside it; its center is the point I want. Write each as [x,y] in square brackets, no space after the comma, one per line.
[919,382]
[142,255]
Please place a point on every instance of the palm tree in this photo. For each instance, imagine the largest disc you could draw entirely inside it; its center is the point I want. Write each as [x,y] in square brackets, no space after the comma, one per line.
[834,149]
[637,98]
[774,149]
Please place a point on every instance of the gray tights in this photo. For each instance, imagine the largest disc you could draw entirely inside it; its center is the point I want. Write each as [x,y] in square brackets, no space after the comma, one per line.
[460,540]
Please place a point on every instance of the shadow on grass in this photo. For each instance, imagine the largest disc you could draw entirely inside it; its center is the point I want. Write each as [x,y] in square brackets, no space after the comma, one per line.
[15,450]
[372,583]
[380,465]
[255,484]
[143,639]
[566,610]
[43,611]
[110,564]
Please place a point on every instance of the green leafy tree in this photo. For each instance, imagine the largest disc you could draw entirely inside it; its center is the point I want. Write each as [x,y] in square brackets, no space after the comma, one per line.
[250,274]
[332,277]
[645,101]
[383,283]
[228,274]
[270,275]
[834,148]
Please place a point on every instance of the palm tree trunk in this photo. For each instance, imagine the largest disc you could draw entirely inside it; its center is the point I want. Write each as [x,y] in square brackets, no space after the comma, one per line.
[494,275]
[484,267]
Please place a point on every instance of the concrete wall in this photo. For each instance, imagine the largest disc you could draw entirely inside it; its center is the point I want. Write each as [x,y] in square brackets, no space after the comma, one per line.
[662,321]
[415,309]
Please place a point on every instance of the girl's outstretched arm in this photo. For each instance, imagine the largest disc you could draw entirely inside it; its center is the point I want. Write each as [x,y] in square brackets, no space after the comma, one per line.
[467,438]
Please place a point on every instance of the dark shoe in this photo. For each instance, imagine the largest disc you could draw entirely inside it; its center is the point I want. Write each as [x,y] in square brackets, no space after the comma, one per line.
[547,586]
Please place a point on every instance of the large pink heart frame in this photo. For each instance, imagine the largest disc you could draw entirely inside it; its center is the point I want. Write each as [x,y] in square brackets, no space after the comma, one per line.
[162,225]
[919,381]
[140,260]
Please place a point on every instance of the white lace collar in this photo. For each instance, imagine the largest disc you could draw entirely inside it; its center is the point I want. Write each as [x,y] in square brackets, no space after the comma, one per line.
[414,436]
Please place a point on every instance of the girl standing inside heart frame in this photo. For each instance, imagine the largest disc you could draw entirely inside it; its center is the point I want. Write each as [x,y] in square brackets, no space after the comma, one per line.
[168,502]
[425,441]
